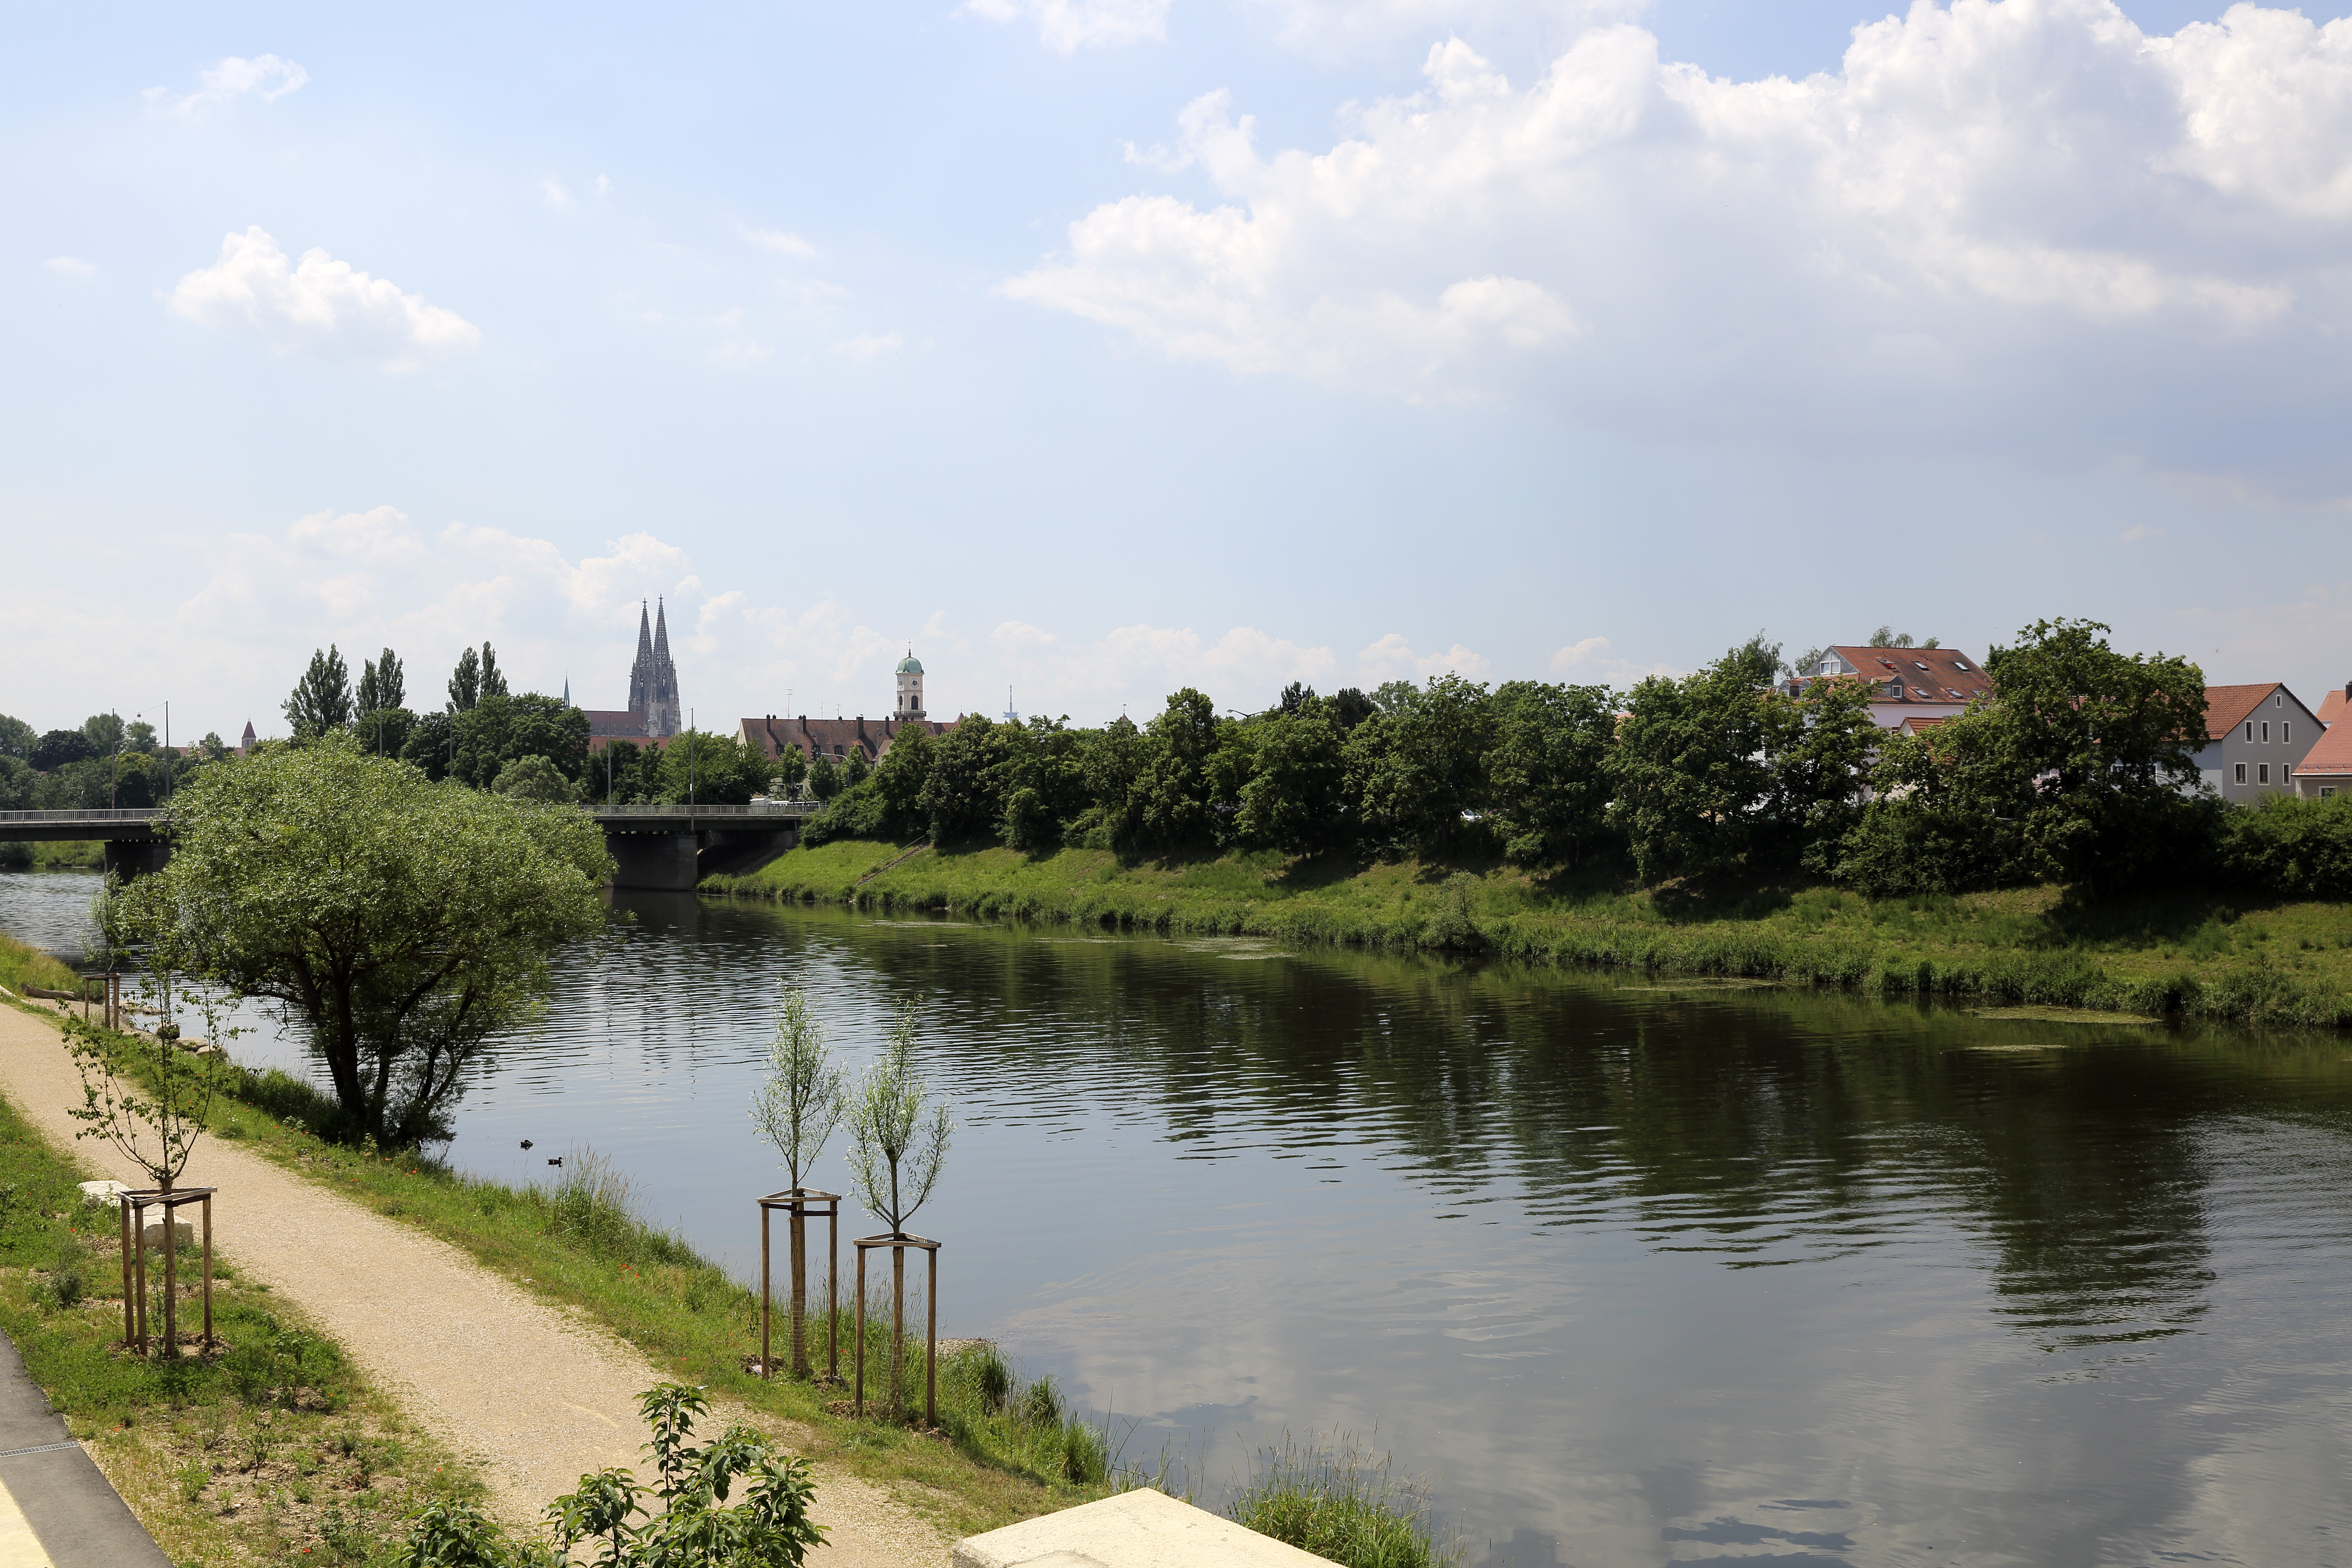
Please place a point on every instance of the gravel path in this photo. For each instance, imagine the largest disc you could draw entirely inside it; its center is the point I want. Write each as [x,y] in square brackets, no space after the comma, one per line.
[529,1392]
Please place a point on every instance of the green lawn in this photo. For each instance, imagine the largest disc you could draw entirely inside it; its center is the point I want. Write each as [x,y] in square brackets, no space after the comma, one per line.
[2213,956]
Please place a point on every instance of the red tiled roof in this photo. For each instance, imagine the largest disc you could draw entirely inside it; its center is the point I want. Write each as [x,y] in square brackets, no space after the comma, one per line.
[831,736]
[2331,707]
[2226,706]
[1914,722]
[2332,755]
[1928,674]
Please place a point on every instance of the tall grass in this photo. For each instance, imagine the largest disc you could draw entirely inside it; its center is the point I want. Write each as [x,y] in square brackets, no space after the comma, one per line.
[1334,1499]
[21,966]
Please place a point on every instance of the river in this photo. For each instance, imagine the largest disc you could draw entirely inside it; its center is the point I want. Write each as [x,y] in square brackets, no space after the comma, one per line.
[1633,1272]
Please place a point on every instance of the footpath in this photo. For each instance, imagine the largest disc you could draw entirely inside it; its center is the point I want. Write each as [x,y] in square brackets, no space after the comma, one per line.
[531,1394]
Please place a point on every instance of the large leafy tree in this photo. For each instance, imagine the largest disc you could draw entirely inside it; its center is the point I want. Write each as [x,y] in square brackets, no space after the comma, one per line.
[16,739]
[1547,770]
[713,770]
[399,924]
[964,790]
[1170,800]
[1691,769]
[1821,745]
[1044,782]
[1430,774]
[2099,749]
[105,733]
[60,747]
[1296,800]
[320,703]
[498,730]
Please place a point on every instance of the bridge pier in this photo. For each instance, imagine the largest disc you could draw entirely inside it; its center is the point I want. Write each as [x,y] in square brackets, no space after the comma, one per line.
[663,861]
[129,857]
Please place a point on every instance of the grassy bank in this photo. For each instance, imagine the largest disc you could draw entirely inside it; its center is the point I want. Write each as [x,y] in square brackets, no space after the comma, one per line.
[1009,1450]
[271,1451]
[87,854]
[2202,956]
[21,966]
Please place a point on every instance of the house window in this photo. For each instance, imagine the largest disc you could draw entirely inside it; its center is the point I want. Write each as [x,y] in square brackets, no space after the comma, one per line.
[2241,773]
[2286,731]
[2278,700]
[2250,729]
[2266,730]
[2327,791]
[2264,772]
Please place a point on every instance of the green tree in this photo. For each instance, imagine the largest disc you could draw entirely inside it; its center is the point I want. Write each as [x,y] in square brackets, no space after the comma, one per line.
[797,1108]
[320,703]
[382,683]
[1690,771]
[824,778]
[1295,799]
[501,729]
[2100,752]
[1111,760]
[401,924]
[16,739]
[900,775]
[1547,770]
[1820,746]
[1044,784]
[963,792]
[384,730]
[15,784]
[139,736]
[857,769]
[535,778]
[1429,773]
[465,681]
[104,731]
[431,746]
[60,747]
[1170,799]
[712,769]
[493,683]
[898,1142]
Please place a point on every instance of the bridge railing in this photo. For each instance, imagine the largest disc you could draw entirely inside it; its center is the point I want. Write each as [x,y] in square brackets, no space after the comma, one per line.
[680,808]
[93,814]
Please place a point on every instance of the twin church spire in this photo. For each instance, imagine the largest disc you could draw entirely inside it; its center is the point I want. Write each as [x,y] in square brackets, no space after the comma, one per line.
[653,680]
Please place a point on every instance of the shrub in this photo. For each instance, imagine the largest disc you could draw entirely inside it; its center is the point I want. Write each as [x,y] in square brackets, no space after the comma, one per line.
[2301,848]
[1335,1501]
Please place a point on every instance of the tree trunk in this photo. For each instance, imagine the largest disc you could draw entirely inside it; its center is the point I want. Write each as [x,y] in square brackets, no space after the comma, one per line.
[800,1294]
[898,1331]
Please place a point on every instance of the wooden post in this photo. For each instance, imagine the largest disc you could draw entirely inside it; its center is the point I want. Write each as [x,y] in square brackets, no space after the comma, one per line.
[931,1352]
[139,1255]
[833,1292]
[764,1368]
[171,1282]
[130,1297]
[209,1271]
[859,1350]
[800,1291]
[897,1328]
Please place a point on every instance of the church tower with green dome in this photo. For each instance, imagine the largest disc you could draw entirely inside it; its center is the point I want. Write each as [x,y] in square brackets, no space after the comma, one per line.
[910,689]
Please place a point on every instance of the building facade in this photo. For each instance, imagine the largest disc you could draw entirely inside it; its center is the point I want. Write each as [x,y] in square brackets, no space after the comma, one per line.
[841,738]
[2255,736]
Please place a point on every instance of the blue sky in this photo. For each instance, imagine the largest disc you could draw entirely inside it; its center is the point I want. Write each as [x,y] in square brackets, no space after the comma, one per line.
[1101,346]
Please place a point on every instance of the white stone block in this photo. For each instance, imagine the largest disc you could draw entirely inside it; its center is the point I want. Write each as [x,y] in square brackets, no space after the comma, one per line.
[105,1192]
[1140,1528]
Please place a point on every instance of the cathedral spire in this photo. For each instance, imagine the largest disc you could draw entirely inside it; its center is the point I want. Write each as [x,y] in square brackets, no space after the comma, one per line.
[661,634]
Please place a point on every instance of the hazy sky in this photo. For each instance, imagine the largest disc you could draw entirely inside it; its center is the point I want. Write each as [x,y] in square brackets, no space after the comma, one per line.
[1096,347]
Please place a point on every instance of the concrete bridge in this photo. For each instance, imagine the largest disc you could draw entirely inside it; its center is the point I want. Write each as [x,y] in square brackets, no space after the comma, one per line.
[669,846]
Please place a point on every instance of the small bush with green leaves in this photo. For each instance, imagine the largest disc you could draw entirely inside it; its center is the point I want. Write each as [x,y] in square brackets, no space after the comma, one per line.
[1336,1502]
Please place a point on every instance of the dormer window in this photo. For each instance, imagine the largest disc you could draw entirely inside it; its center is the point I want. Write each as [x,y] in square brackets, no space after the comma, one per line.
[1921,665]
[1960,664]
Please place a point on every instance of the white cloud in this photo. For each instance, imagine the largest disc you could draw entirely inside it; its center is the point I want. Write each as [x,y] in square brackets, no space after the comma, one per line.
[266,77]
[1991,212]
[553,192]
[783,242]
[1065,27]
[1590,663]
[870,346]
[321,304]
[70,266]
[2140,533]
[1393,659]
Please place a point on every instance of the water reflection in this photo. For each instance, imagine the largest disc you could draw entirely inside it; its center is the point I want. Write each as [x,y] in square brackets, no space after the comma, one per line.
[1635,1273]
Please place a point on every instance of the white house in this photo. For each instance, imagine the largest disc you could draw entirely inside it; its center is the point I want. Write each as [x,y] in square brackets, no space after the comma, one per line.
[1905,682]
[2255,736]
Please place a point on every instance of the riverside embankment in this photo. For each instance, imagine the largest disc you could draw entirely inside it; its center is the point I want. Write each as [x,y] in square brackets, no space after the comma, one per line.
[2251,961]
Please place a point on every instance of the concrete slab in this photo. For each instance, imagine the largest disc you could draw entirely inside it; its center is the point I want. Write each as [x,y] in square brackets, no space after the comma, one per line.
[1142,1529]
[66,1514]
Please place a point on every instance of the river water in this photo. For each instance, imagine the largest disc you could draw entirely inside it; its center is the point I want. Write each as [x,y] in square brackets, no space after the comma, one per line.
[1633,1272]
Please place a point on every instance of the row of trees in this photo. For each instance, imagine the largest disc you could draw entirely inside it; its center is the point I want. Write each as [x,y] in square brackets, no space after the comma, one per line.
[2081,770]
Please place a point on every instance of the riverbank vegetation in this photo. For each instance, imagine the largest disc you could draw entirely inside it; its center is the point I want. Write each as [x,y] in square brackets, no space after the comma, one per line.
[273,1450]
[2201,954]
[2051,844]
[1337,1501]
[21,966]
